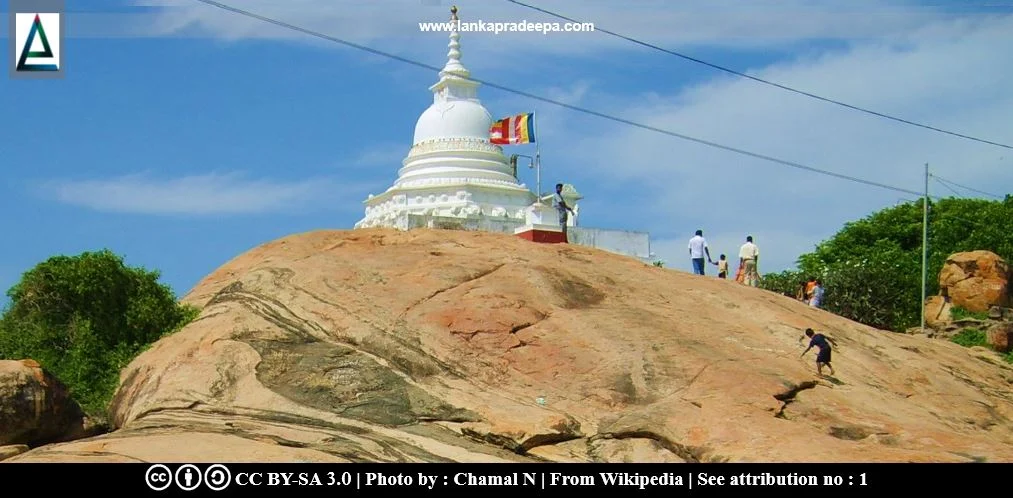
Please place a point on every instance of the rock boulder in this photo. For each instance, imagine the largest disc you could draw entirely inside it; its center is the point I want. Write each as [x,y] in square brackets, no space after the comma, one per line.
[1000,336]
[451,346]
[35,408]
[975,280]
[937,312]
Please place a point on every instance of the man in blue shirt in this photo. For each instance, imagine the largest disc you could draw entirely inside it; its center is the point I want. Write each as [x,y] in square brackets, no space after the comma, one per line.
[820,341]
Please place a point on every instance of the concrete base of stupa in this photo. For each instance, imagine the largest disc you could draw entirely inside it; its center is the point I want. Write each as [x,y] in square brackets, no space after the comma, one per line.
[546,234]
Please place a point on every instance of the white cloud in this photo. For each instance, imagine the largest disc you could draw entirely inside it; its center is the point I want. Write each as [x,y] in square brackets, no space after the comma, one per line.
[206,194]
[394,24]
[104,24]
[954,75]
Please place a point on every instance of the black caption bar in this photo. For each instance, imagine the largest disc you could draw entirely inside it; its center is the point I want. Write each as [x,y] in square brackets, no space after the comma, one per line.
[376,479]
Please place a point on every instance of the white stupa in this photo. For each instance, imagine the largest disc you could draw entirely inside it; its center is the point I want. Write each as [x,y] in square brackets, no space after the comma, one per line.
[453,171]
[455,177]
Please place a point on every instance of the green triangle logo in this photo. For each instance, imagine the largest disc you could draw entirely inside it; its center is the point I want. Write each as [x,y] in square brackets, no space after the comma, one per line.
[26,52]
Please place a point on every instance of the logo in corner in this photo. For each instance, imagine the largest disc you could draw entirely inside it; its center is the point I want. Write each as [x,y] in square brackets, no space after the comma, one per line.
[158,477]
[188,477]
[217,477]
[37,39]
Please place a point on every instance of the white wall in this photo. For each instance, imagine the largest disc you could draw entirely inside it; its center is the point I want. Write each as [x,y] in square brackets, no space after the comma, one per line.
[626,242]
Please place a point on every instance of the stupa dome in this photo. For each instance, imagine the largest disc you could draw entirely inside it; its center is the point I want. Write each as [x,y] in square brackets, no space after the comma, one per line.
[453,119]
[456,112]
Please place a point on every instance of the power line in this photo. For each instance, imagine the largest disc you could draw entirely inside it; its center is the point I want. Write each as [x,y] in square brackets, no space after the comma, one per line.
[760,80]
[945,181]
[561,104]
[947,186]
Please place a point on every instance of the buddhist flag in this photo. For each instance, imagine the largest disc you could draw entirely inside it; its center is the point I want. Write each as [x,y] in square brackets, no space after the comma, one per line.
[514,130]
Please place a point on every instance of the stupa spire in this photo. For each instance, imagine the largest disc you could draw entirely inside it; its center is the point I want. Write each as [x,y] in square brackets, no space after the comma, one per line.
[454,67]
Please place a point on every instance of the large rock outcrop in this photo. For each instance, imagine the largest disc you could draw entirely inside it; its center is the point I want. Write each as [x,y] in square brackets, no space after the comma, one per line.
[1000,336]
[35,408]
[975,280]
[432,345]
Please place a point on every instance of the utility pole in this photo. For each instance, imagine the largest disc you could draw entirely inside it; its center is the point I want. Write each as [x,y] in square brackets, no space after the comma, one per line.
[538,157]
[538,173]
[925,242]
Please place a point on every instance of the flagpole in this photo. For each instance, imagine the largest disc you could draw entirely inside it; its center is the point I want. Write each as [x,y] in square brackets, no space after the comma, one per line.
[925,243]
[538,158]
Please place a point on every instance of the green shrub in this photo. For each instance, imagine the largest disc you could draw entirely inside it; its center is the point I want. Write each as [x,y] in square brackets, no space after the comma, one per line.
[970,338]
[84,318]
[786,283]
[958,313]
[871,269]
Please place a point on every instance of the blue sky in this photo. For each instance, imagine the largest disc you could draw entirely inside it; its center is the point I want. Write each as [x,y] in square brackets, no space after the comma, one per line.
[182,136]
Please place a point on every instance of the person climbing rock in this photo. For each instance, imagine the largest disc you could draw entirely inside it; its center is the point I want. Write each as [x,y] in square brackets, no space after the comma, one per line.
[823,343]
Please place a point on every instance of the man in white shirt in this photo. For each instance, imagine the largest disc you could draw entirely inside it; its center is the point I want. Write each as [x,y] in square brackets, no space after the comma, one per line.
[749,254]
[697,249]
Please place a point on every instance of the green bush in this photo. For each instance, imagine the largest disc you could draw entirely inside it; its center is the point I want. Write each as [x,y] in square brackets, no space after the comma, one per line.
[958,313]
[970,338]
[871,269]
[785,282]
[84,318]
